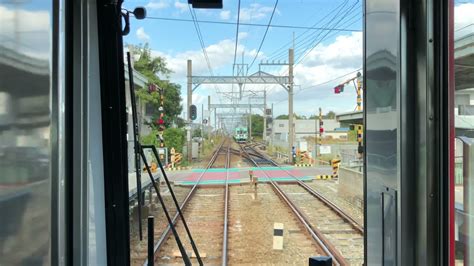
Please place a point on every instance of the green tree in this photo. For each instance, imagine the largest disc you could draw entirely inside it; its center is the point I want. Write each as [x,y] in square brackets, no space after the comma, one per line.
[352,135]
[174,138]
[329,115]
[257,125]
[286,117]
[152,67]
[197,133]
[282,117]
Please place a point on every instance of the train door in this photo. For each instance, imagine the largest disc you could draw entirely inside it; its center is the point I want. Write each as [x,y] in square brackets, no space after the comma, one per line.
[409,136]
[461,70]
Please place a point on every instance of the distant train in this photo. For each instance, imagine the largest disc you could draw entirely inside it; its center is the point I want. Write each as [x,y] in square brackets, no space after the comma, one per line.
[240,134]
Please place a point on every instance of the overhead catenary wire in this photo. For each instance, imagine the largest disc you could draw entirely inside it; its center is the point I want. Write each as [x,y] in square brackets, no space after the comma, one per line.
[201,39]
[315,37]
[237,33]
[203,47]
[251,24]
[283,48]
[322,83]
[339,8]
[306,41]
[305,54]
[265,34]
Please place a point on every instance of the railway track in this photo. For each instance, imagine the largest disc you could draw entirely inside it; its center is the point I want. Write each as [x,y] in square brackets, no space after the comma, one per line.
[206,215]
[340,236]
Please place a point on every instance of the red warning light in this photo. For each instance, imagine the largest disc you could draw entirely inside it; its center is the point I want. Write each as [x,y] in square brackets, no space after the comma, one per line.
[338,89]
[321,130]
[152,87]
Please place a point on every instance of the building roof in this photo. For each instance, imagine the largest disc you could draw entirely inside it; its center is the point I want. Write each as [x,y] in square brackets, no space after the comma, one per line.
[138,78]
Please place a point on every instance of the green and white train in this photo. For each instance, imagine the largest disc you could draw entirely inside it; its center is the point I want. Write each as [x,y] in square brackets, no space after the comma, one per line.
[241,134]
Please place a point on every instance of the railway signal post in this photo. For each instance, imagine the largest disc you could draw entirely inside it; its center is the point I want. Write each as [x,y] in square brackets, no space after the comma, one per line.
[291,131]
[190,102]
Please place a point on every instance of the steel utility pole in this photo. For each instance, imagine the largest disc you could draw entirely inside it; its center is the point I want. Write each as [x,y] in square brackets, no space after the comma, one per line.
[290,103]
[273,128]
[209,114]
[250,121]
[202,120]
[190,102]
[264,137]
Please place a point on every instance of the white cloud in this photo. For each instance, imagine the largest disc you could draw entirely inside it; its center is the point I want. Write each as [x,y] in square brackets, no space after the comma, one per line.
[182,7]
[255,12]
[324,63]
[332,60]
[220,54]
[142,36]
[243,35]
[161,4]
[224,14]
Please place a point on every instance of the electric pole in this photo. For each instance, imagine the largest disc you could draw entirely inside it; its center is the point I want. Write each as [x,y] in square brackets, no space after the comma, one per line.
[190,102]
[250,121]
[202,120]
[264,116]
[209,114]
[290,103]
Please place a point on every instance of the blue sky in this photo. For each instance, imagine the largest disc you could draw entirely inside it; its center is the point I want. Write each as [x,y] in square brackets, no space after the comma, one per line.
[335,58]
[339,53]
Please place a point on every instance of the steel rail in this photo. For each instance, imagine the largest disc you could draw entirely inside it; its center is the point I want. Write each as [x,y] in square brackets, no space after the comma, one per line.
[191,193]
[325,244]
[358,227]
[226,208]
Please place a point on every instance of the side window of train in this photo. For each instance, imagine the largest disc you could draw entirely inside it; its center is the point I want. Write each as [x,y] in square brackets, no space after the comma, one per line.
[28,141]
[463,206]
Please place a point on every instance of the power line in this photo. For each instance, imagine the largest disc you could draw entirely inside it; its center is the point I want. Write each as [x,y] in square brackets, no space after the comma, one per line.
[203,46]
[316,42]
[306,41]
[252,24]
[328,81]
[265,35]
[343,16]
[201,39]
[322,83]
[317,39]
[237,33]
[282,49]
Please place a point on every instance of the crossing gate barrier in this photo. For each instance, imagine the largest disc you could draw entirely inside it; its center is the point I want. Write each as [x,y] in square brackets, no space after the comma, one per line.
[335,167]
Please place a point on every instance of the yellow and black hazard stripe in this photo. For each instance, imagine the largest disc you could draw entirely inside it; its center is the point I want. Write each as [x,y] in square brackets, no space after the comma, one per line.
[324,177]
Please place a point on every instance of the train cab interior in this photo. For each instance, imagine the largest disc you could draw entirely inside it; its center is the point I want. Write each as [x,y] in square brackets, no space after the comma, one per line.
[68,148]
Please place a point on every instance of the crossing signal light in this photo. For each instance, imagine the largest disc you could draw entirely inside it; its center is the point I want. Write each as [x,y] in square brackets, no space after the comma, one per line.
[338,89]
[152,87]
[193,112]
